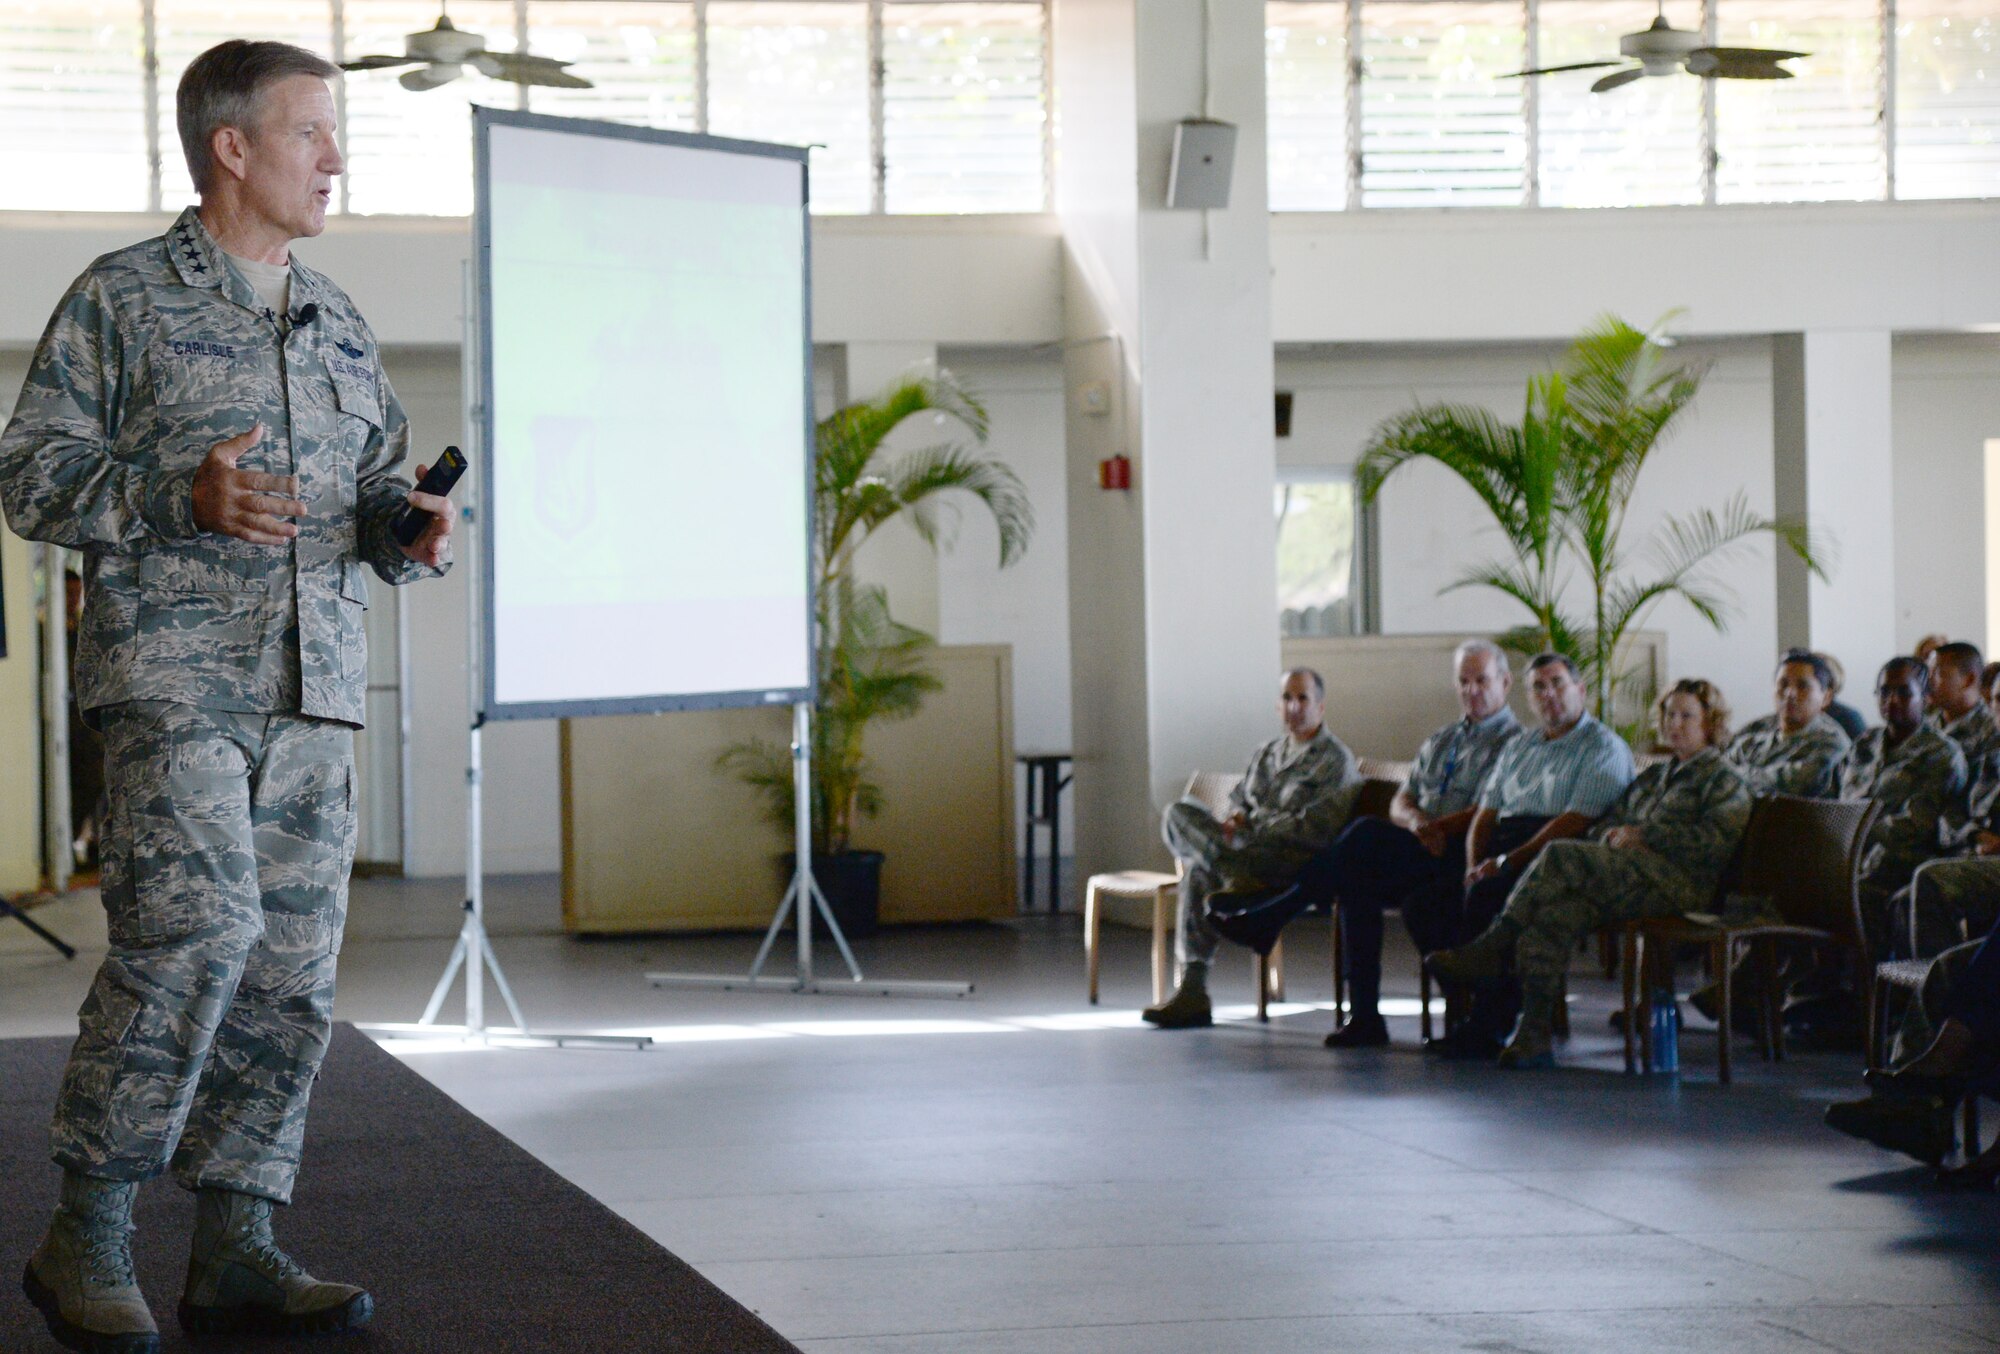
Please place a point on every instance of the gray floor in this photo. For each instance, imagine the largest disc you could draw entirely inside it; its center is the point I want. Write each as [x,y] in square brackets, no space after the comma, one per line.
[1021,1172]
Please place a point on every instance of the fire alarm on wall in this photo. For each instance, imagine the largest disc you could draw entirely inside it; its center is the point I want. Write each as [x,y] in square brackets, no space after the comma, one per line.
[1115,473]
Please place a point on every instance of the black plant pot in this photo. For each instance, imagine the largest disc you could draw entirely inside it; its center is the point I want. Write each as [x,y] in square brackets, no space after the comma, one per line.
[852,883]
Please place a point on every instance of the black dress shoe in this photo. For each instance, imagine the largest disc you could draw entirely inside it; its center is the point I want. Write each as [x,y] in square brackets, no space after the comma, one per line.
[1360,1032]
[1918,1128]
[1908,1085]
[1256,920]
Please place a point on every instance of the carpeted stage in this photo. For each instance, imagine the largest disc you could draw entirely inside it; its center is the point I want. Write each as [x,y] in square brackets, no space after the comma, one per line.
[467,1242]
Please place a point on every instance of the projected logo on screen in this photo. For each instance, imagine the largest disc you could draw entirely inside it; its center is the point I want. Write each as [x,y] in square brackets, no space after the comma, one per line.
[565,496]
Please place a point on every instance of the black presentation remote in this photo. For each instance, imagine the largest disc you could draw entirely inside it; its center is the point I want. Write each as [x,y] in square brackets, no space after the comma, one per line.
[437,480]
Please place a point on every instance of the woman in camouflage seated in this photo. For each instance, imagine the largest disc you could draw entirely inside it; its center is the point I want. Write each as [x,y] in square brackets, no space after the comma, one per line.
[1797,749]
[1659,851]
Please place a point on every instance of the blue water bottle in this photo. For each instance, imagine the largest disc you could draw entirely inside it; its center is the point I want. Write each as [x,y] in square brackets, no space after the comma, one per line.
[1666,1016]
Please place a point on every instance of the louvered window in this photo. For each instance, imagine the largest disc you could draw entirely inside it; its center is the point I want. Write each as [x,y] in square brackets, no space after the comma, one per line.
[639,54]
[1306,92]
[411,152]
[1437,128]
[796,73]
[1816,137]
[962,107]
[72,106]
[1947,98]
[184,29]
[1637,145]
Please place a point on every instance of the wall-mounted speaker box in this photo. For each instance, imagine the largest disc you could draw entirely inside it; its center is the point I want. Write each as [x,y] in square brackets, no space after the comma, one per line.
[1204,154]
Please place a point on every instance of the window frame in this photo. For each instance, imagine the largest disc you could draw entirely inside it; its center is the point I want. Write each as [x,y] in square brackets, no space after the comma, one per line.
[1364,569]
[1885,111]
[877,165]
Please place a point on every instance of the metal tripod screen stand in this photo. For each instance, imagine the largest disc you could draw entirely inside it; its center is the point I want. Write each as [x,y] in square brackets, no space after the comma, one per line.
[803,900]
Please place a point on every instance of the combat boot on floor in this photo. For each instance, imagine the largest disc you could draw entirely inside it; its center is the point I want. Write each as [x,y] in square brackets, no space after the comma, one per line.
[81,1275]
[1489,956]
[238,1279]
[1188,1007]
[1532,1047]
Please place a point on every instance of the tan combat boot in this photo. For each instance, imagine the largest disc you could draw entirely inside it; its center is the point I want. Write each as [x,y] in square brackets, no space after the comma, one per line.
[81,1275]
[1490,955]
[238,1279]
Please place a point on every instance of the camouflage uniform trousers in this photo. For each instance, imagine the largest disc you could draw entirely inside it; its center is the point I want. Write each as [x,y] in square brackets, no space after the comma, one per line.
[1572,889]
[226,856]
[1954,900]
[1210,863]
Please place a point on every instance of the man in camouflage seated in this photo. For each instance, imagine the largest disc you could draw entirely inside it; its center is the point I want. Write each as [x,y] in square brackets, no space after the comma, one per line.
[1291,802]
[1957,898]
[1917,776]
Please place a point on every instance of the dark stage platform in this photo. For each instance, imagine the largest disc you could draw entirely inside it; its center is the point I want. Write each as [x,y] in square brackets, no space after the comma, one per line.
[467,1242]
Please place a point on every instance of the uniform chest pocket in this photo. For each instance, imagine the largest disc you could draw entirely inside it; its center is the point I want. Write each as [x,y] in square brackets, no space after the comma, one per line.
[356,398]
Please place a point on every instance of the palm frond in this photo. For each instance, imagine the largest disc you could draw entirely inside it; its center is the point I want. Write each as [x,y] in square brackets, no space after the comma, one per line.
[1468,441]
[922,475]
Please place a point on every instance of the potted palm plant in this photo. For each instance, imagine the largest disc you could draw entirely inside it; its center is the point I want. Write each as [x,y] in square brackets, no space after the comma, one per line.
[871,666]
[1559,485]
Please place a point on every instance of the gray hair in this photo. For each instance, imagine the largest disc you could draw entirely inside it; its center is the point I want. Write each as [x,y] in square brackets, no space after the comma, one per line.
[220,89]
[1486,648]
[1319,682]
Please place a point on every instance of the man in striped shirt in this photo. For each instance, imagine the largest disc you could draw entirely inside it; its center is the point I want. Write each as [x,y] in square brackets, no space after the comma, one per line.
[1547,785]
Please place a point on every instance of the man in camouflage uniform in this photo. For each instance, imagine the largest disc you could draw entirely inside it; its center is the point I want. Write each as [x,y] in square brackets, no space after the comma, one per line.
[1660,851]
[1797,749]
[208,422]
[1957,899]
[1956,706]
[1917,776]
[1290,804]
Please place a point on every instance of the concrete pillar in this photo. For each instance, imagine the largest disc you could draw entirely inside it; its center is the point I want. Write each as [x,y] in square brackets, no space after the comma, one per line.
[1831,453]
[1173,619]
[896,557]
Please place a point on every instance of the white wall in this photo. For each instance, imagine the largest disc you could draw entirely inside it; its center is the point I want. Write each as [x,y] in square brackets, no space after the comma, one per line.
[946,279]
[1945,404]
[1498,274]
[1027,605]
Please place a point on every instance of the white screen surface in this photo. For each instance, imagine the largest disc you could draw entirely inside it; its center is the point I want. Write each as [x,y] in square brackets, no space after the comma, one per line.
[644,308]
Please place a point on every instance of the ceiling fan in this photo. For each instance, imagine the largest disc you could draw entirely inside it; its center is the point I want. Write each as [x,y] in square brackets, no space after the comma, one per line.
[442,53]
[1662,49]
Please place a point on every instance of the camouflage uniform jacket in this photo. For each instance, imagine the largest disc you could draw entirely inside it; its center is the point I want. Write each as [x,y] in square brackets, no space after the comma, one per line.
[1692,813]
[158,352]
[1978,737]
[1297,799]
[1806,763]
[1920,784]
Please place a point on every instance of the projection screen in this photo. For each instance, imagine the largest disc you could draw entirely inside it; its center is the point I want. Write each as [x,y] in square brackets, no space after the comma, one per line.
[645,347]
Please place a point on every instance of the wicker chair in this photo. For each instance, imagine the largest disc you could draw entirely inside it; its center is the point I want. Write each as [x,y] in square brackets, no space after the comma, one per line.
[1209,788]
[1907,976]
[1804,855]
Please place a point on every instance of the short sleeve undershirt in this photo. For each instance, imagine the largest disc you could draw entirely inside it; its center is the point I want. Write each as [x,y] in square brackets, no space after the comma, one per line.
[271,281]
